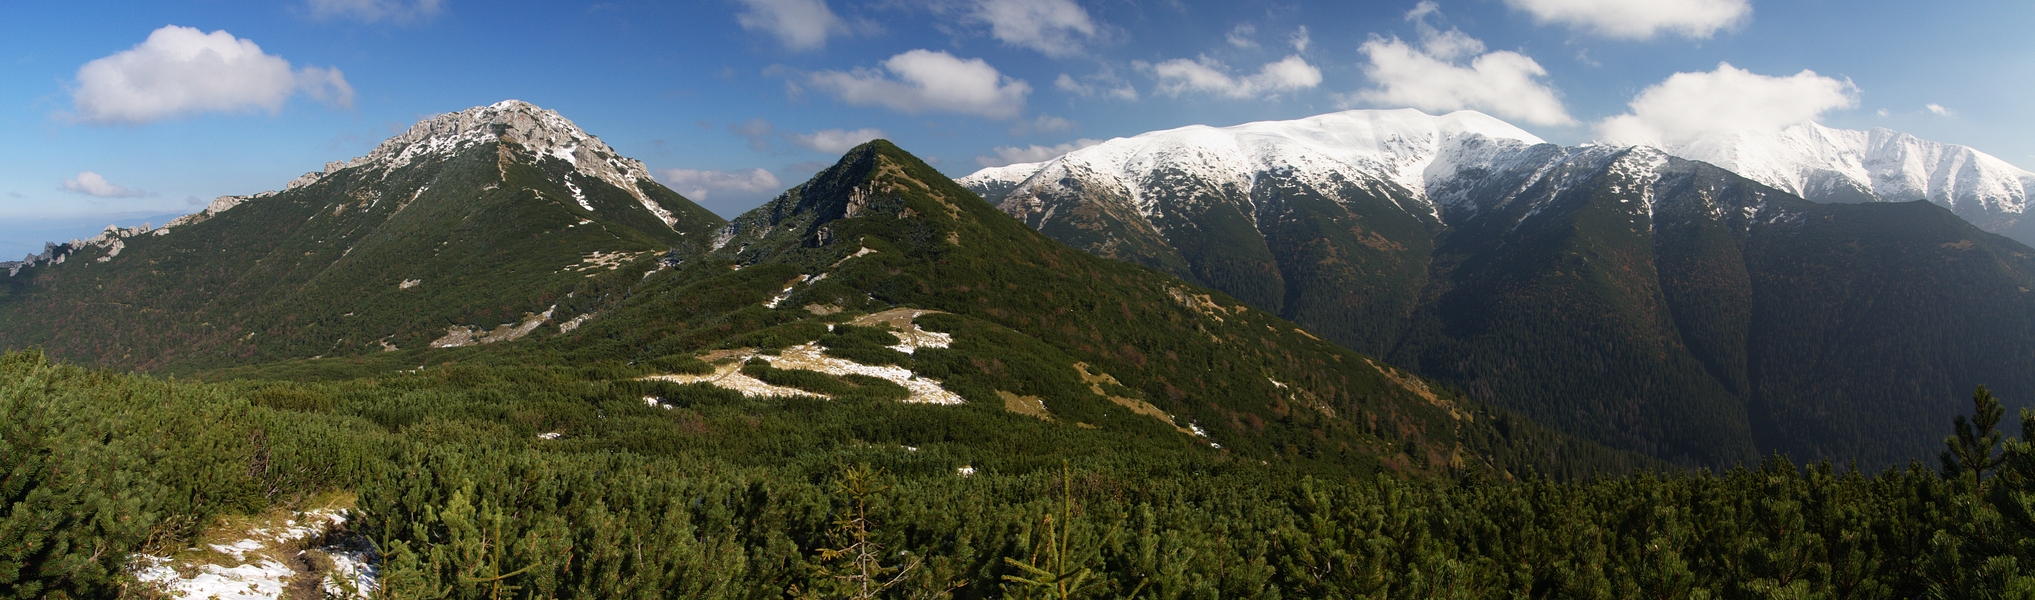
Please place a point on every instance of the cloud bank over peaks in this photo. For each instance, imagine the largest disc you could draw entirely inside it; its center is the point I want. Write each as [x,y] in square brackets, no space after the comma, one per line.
[181,71]
[1432,76]
[1009,155]
[92,184]
[1688,106]
[1640,19]
[797,24]
[370,11]
[1209,76]
[925,80]
[1056,28]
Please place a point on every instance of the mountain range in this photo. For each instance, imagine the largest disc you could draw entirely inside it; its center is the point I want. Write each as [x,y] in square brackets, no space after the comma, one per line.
[1623,295]
[1627,294]
[504,235]
[495,329]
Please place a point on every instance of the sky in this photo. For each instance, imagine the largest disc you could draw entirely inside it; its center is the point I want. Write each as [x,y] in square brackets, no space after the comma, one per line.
[124,112]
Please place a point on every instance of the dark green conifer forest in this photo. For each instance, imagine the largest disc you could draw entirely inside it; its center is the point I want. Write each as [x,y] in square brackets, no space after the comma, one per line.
[732,498]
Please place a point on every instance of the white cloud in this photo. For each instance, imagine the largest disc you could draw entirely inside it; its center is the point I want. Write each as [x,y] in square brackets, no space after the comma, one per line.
[698,185]
[1007,155]
[834,141]
[180,71]
[1104,84]
[1689,105]
[1938,109]
[1053,27]
[1042,124]
[1505,83]
[1211,76]
[798,24]
[929,81]
[1639,19]
[369,11]
[92,184]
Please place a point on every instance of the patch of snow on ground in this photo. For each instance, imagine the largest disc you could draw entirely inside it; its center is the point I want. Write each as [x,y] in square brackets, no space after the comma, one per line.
[263,580]
[248,569]
[578,195]
[786,293]
[1198,431]
[353,572]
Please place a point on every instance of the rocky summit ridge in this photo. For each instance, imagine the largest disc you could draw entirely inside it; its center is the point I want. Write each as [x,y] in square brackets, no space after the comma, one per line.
[539,130]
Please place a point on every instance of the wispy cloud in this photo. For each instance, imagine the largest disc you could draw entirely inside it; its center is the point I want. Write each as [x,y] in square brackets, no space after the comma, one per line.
[700,185]
[370,11]
[797,24]
[1639,19]
[1104,84]
[92,184]
[1041,125]
[1210,76]
[1010,155]
[1057,28]
[834,141]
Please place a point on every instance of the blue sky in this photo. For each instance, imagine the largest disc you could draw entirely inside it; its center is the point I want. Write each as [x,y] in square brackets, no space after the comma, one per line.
[106,118]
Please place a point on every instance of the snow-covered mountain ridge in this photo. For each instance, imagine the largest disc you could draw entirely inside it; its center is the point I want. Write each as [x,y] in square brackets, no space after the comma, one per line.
[1432,156]
[1836,165]
[1401,146]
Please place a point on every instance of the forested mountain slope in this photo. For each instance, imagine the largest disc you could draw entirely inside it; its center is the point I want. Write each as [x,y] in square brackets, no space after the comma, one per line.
[468,228]
[1623,294]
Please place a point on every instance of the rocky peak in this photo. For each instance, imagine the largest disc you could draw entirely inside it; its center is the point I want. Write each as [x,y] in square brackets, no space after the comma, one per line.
[540,131]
